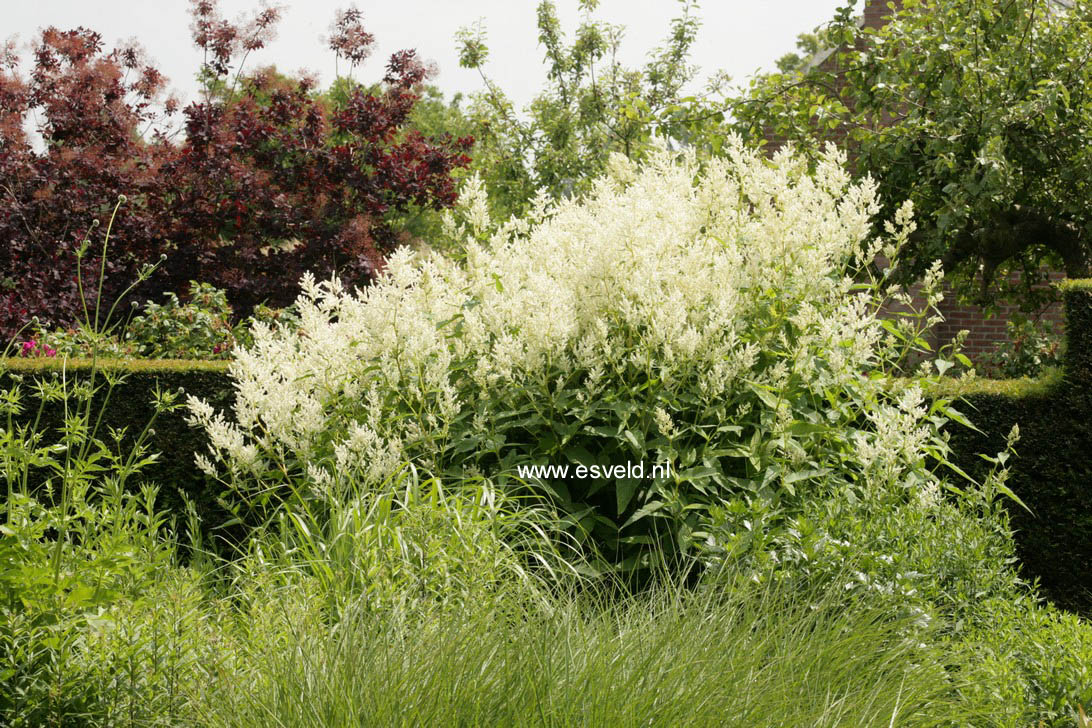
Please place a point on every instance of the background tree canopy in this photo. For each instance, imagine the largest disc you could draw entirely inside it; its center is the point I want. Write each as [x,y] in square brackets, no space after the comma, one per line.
[978,111]
[591,106]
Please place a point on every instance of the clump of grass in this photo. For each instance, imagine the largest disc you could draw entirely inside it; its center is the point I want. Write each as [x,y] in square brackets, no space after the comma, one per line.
[747,655]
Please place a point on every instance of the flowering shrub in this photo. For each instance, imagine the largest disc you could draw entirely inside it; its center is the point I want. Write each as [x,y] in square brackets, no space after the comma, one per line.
[719,319]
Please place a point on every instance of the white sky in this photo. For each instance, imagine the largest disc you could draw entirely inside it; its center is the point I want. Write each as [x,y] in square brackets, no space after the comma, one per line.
[739,36]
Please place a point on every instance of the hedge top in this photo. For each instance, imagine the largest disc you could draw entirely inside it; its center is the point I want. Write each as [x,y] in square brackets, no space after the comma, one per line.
[1075,284]
[151,366]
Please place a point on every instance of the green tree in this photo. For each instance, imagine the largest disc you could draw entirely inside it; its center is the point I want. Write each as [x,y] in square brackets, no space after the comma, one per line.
[591,106]
[433,116]
[978,111]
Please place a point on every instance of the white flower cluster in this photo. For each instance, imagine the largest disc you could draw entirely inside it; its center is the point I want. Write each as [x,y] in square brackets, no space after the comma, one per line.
[671,266]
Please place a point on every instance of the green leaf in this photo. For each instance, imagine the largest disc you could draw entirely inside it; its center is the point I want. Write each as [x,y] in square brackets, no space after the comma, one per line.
[1004,489]
[956,416]
[602,431]
[579,455]
[643,512]
[698,472]
[466,444]
[624,490]
[765,393]
[805,475]
[799,429]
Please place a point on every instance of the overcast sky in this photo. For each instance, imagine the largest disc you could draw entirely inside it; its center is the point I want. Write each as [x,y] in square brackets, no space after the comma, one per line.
[739,36]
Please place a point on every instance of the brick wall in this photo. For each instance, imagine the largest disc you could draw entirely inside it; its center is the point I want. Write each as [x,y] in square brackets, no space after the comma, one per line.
[986,333]
[876,12]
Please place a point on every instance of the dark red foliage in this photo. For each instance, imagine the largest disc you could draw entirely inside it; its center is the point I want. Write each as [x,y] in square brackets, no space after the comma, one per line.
[223,41]
[348,39]
[269,180]
[90,107]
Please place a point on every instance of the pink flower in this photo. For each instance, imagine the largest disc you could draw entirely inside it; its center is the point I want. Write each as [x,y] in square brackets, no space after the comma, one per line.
[32,348]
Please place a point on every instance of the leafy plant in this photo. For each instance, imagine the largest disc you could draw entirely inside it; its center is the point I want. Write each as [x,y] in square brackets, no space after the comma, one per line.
[198,329]
[1034,657]
[65,567]
[1031,347]
[74,540]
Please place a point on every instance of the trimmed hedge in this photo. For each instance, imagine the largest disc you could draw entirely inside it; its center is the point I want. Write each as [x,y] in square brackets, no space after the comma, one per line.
[131,406]
[1052,472]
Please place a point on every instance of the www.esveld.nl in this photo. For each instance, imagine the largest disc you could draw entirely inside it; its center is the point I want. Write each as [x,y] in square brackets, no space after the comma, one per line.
[593,472]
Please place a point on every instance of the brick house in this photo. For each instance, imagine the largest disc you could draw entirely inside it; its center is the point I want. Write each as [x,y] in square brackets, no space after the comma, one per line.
[985,332]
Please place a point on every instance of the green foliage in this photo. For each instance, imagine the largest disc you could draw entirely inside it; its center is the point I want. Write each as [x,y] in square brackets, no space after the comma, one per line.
[131,407]
[932,558]
[591,106]
[79,534]
[64,568]
[951,564]
[977,112]
[1078,316]
[1033,662]
[1031,347]
[277,319]
[96,618]
[200,328]
[808,45]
